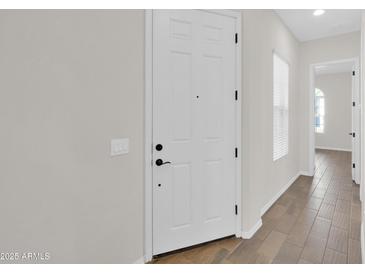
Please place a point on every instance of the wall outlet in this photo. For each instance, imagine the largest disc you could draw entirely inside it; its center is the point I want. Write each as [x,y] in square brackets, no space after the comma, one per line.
[119,146]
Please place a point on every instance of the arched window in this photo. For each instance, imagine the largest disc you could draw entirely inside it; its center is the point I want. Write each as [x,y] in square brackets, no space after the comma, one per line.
[319,110]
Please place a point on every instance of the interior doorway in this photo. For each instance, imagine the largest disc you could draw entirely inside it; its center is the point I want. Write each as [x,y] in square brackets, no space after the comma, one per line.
[335,110]
[193,127]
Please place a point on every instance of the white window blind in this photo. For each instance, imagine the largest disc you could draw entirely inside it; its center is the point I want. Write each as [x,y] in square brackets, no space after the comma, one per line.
[280,107]
[319,110]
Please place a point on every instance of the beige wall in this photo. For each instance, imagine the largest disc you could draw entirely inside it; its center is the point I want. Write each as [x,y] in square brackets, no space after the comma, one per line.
[264,32]
[318,51]
[70,82]
[73,80]
[337,89]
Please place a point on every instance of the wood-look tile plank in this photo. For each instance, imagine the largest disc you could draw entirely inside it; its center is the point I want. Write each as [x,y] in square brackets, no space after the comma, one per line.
[307,216]
[285,201]
[326,210]
[202,254]
[296,208]
[354,252]
[314,203]
[265,229]
[321,228]
[288,254]
[299,233]
[272,244]
[343,206]
[355,230]
[334,257]
[246,252]
[341,220]
[330,198]
[356,212]
[319,192]
[338,239]
[302,261]
[345,195]
[275,211]
[219,256]
[230,243]
[285,223]
[314,249]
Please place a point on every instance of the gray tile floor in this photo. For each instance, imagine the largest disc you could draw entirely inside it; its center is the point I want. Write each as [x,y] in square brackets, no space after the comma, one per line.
[317,220]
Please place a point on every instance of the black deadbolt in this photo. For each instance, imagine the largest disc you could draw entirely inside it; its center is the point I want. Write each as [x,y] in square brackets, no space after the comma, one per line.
[159,147]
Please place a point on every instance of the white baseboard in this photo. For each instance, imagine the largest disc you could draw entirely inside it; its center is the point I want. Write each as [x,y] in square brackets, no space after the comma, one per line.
[306,173]
[249,233]
[362,242]
[139,261]
[334,148]
[277,195]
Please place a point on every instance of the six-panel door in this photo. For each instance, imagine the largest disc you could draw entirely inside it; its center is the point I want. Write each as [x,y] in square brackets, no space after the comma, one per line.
[194,121]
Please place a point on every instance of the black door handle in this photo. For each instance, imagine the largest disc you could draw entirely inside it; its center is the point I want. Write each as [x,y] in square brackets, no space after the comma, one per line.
[159,162]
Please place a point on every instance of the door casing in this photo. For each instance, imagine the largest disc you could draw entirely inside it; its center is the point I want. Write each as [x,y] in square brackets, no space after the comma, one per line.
[148,145]
[311,127]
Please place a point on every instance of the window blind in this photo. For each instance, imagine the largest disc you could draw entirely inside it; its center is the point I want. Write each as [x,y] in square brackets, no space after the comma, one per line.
[280,107]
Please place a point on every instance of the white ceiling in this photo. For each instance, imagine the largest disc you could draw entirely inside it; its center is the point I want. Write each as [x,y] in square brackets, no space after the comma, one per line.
[336,67]
[305,26]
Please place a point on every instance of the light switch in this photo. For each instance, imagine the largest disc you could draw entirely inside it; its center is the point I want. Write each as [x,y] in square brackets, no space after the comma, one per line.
[119,146]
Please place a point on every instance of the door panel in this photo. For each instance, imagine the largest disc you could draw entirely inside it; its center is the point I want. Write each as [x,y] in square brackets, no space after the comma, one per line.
[212,89]
[181,187]
[181,117]
[194,120]
[213,181]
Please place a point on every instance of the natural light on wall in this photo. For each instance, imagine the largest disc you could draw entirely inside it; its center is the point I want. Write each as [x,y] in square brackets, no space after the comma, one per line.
[280,107]
[318,12]
[319,111]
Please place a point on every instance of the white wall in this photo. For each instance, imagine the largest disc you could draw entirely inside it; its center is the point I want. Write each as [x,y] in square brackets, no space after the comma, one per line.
[318,51]
[70,82]
[337,89]
[264,32]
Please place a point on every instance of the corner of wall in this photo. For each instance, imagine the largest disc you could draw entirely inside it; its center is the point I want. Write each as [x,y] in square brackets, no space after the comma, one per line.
[247,234]
[279,193]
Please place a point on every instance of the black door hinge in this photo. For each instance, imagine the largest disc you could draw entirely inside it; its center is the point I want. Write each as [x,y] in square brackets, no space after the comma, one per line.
[353,104]
[236,38]
[236,209]
[236,95]
[353,73]
[236,152]
[353,165]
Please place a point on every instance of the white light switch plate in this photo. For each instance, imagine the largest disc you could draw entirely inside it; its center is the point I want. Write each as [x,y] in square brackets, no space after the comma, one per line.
[119,146]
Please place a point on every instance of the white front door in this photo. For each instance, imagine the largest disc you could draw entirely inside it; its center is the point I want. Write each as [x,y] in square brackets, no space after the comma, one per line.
[356,108]
[193,128]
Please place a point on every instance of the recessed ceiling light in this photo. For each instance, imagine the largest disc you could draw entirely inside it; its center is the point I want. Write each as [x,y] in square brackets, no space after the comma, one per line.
[318,12]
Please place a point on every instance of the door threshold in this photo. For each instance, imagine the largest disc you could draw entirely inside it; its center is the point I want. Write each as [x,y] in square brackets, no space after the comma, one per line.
[190,247]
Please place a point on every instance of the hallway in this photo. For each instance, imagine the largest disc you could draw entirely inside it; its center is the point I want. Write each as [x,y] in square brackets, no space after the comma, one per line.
[317,220]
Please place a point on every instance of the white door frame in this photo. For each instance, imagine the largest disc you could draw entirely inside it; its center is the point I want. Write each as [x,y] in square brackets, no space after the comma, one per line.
[311,131]
[148,178]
